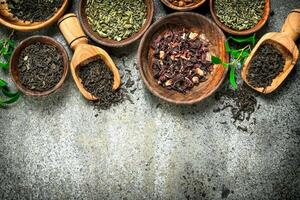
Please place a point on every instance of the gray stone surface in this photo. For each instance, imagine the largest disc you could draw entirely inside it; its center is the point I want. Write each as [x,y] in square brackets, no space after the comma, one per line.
[55,147]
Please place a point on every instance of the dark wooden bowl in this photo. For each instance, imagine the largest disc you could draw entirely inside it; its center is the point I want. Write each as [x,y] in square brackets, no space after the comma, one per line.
[185,8]
[15,61]
[254,29]
[108,42]
[200,24]
[8,20]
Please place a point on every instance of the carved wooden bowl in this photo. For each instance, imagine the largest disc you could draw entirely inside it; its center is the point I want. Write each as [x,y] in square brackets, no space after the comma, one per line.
[254,29]
[9,21]
[15,60]
[108,42]
[199,24]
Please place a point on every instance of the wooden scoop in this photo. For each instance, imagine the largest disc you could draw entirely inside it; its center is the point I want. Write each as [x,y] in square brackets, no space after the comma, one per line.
[285,43]
[84,53]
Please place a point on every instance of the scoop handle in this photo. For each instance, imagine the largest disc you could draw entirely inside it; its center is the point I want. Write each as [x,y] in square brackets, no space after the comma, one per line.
[291,25]
[71,29]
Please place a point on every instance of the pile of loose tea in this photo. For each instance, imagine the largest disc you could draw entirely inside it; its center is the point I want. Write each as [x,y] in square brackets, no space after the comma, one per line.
[98,80]
[40,67]
[118,19]
[241,14]
[181,59]
[33,10]
[242,102]
[266,64]
[182,3]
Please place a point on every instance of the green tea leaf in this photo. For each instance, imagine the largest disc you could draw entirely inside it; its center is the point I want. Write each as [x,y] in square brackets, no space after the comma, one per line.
[215,60]
[3,83]
[232,78]
[8,93]
[227,47]
[10,101]
[4,65]
[250,39]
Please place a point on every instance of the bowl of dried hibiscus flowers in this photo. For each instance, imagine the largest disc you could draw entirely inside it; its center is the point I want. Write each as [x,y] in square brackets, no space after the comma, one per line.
[174,58]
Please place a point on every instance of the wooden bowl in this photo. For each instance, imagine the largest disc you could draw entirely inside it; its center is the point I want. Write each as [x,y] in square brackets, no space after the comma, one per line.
[108,42]
[254,29]
[15,61]
[9,21]
[200,24]
[184,8]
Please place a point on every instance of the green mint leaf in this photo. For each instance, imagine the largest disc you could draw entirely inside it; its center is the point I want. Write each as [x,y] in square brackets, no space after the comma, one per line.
[215,60]
[232,78]
[3,83]
[10,101]
[227,47]
[250,39]
[4,65]
[8,93]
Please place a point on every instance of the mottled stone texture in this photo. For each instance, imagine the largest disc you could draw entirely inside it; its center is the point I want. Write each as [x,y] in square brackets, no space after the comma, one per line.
[56,148]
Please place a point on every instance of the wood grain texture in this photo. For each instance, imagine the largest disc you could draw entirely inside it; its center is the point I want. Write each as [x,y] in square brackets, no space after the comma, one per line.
[9,21]
[227,29]
[14,63]
[199,24]
[285,43]
[108,42]
[84,53]
[184,8]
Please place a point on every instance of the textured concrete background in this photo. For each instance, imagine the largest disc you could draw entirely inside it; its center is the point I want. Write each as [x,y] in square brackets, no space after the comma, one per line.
[56,148]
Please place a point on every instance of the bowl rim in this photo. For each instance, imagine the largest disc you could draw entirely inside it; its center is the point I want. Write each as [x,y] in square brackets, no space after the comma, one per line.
[254,29]
[185,8]
[112,43]
[37,25]
[145,80]
[31,40]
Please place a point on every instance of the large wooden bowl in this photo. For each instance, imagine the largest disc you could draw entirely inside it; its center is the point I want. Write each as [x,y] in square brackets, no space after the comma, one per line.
[254,29]
[15,61]
[9,21]
[108,42]
[184,8]
[200,24]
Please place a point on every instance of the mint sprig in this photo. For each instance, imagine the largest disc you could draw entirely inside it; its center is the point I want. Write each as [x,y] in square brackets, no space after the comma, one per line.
[238,56]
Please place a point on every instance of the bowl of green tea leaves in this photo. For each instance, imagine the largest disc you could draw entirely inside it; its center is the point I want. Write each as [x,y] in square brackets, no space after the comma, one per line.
[115,23]
[24,15]
[242,17]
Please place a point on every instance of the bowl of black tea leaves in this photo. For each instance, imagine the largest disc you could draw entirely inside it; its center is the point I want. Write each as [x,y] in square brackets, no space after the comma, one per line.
[39,66]
[25,15]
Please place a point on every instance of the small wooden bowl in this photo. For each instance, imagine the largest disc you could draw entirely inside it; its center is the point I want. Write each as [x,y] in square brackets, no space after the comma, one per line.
[15,61]
[254,29]
[200,24]
[184,8]
[9,21]
[108,42]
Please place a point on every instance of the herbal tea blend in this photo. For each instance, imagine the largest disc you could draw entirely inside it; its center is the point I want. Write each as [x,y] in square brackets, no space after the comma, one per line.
[98,80]
[241,14]
[40,67]
[33,10]
[181,59]
[118,19]
[266,64]
[182,3]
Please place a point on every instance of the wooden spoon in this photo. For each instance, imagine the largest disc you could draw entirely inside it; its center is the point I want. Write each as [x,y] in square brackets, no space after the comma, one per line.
[84,53]
[285,43]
